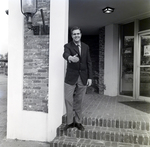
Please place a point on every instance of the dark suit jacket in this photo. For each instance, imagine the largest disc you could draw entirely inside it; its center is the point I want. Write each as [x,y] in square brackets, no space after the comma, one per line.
[82,68]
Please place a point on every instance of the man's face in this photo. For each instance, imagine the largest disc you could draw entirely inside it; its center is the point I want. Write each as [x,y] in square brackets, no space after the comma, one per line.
[76,36]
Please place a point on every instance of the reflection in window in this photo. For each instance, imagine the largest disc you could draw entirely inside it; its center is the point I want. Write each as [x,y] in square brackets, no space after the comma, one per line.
[127,52]
[145,81]
[145,50]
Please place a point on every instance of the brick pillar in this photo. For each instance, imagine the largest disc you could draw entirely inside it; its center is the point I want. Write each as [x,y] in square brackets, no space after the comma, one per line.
[101,59]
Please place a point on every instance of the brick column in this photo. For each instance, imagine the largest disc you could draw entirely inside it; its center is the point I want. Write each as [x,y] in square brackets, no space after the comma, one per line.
[101,60]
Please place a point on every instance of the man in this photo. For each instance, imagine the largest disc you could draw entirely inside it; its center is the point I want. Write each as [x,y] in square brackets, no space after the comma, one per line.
[78,77]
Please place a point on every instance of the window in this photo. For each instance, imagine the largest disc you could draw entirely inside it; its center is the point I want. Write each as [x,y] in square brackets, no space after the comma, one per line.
[127,58]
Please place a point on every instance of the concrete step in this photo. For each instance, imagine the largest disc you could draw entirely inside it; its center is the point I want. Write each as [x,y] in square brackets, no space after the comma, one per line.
[65,141]
[136,137]
[114,123]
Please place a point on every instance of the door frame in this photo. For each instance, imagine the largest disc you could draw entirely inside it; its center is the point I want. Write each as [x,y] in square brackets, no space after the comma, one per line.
[137,90]
[136,63]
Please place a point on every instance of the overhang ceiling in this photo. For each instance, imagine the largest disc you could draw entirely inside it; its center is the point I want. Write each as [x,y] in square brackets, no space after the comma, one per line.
[88,15]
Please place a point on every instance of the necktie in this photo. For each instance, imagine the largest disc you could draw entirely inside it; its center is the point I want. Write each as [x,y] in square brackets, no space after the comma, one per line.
[79,49]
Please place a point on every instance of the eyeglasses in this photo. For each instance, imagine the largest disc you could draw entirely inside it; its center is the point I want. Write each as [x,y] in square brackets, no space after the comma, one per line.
[76,34]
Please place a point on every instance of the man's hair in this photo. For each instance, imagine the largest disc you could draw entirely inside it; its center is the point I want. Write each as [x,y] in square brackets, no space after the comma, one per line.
[74,28]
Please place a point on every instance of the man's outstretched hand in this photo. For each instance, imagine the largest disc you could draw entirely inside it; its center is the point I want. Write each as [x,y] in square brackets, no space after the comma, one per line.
[73,59]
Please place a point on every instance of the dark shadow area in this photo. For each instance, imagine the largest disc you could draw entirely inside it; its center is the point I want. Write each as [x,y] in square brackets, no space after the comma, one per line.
[139,105]
[127,93]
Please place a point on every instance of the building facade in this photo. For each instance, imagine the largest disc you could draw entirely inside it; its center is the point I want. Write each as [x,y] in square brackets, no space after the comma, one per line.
[36,68]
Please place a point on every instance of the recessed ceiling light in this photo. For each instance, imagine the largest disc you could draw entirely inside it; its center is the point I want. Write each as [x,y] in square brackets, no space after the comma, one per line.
[108,10]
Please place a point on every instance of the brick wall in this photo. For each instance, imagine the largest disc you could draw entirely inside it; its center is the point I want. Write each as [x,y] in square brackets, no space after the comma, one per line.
[93,42]
[97,46]
[36,63]
[101,60]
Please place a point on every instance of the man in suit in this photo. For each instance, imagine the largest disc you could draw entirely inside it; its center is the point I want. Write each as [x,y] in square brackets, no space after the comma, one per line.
[78,77]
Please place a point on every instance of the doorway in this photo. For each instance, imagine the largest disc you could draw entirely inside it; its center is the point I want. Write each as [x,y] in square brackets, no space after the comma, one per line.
[135,59]
[144,66]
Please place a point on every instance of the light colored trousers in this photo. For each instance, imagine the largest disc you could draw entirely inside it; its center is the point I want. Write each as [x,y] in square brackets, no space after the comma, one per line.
[74,101]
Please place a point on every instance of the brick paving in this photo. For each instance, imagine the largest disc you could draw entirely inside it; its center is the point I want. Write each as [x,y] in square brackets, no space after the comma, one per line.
[115,108]
[109,122]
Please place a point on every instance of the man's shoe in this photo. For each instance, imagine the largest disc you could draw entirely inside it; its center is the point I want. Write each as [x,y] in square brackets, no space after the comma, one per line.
[68,126]
[79,126]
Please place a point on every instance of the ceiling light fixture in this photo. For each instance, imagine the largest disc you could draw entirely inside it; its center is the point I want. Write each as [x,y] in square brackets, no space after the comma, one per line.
[108,10]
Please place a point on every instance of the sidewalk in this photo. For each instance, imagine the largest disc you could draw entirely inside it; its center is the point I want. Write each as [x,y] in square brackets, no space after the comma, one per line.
[3,121]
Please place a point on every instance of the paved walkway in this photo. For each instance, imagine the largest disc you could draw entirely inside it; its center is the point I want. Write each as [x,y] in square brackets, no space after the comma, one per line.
[118,108]
[109,122]
[3,106]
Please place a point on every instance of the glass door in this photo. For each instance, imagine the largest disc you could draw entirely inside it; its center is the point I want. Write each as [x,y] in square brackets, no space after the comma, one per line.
[126,59]
[144,66]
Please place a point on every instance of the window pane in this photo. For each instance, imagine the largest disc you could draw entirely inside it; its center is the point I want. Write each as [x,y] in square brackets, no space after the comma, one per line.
[145,81]
[144,24]
[145,49]
[127,52]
